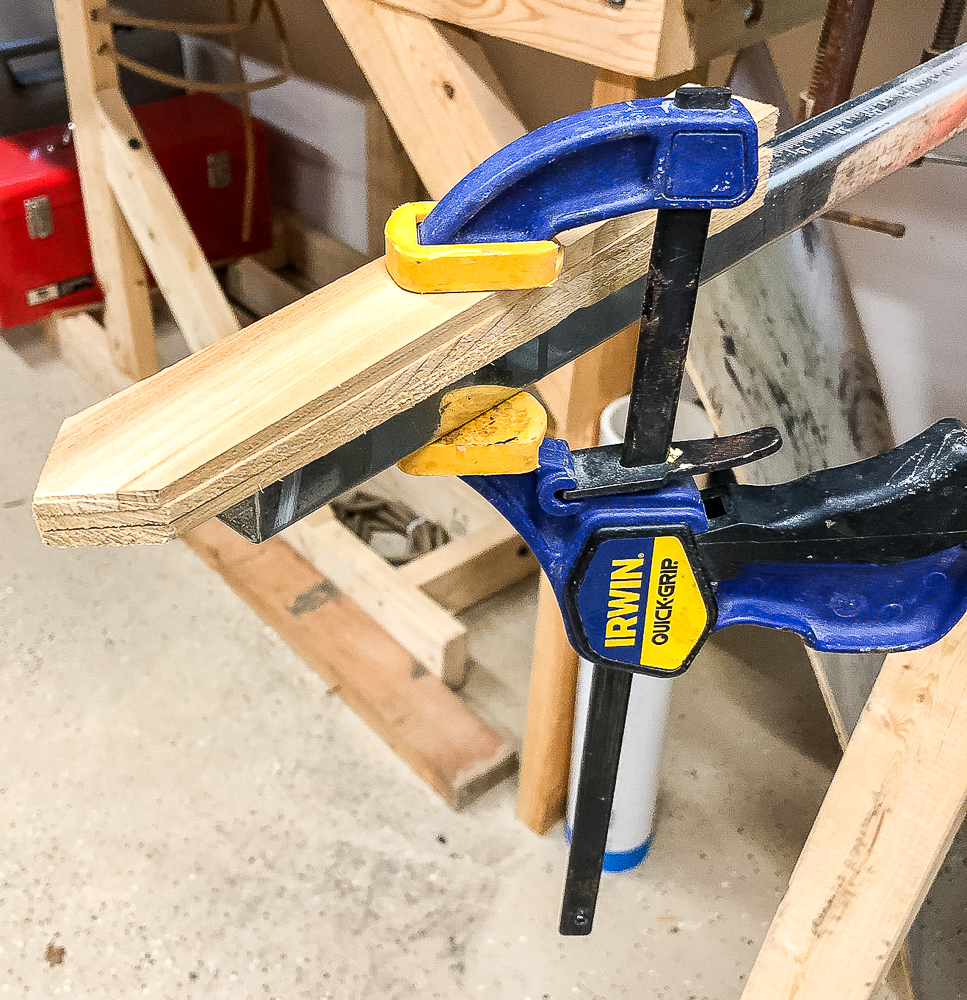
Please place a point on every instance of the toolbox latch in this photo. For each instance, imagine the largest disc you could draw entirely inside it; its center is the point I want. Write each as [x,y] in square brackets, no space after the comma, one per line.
[40,219]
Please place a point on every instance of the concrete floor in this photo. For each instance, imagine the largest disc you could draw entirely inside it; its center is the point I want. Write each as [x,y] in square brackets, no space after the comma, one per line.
[185,811]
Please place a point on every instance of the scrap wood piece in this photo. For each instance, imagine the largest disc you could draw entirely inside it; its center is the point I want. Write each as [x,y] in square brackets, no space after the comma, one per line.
[82,342]
[430,634]
[471,568]
[458,754]
[89,71]
[167,454]
[160,228]
[884,828]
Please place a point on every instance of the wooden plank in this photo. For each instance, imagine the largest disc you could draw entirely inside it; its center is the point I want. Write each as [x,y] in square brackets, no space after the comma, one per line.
[317,256]
[169,246]
[429,89]
[88,69]
[649,38]
[149,463]
[882,833]
[425,723]
[83,343]
[276,257]
[473,567]
[546,754]
[391,179]
[429,633]
[260,290]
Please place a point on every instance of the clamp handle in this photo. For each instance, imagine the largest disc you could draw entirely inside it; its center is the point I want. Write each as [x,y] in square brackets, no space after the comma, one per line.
[602,163]
[867,556]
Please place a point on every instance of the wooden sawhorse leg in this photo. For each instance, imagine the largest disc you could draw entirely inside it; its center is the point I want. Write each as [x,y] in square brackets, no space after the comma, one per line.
[886,823]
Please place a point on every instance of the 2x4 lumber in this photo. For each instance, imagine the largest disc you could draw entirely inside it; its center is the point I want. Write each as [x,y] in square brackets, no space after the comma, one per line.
[429,633]
[90,71]
[258,288]
[545,755]
[317,256]
[884,828]
[430,89]
[275,257]
[391,179]
[424,722]
[648,38]
[169,246]
[149,463]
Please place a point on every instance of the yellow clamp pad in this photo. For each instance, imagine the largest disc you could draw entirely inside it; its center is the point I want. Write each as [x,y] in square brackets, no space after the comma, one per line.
[467,267]
[505,439]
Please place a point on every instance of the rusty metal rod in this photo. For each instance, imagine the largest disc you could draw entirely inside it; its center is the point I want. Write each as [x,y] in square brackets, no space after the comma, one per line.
[895,229]
[948,27]
[837,56]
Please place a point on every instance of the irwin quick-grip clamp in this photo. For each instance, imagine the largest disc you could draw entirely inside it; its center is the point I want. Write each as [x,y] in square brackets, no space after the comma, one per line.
[646,566]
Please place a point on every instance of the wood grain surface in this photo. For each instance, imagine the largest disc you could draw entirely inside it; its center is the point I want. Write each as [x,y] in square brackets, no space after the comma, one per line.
[647,38]
[881,835]
[90,71]
[429,727]
[436,88]
[172,451]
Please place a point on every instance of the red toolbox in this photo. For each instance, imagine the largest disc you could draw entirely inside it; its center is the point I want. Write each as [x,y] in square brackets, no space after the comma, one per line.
[45,260]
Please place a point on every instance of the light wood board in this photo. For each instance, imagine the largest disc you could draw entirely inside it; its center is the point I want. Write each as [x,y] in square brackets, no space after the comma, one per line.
[425,723]
[172,451]
[647,38]
[89,70]
[881,835]
[159,225]
[428,632]
[436,89]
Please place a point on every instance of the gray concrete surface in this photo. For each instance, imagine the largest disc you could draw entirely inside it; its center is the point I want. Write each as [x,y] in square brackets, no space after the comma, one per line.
[186,812]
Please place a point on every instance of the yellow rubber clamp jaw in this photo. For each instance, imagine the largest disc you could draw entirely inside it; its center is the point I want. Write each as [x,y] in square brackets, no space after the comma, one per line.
[504,440]
[465,267]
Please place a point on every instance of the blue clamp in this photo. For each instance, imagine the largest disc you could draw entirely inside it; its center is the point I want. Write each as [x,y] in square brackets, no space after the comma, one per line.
[588,167]
[870,556]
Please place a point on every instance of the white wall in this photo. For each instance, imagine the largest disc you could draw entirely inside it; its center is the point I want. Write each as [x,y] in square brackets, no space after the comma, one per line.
[26,19]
